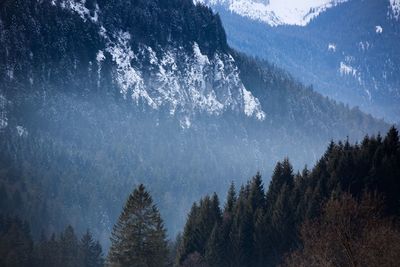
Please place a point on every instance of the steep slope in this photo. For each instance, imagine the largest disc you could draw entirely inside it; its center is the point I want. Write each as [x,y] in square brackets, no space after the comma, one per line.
[97,97]
[349,52]
[275,12]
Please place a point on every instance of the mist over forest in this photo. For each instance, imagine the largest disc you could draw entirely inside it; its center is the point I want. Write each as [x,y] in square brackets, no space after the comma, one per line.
[133,134]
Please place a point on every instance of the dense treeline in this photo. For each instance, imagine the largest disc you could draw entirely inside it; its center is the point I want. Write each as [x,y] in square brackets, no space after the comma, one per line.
[158,22]
[343,212]
[17,249]
[258,228]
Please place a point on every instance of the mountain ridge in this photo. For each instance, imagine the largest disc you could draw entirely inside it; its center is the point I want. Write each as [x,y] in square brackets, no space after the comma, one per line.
[353,60]
[275,13]
[73,145]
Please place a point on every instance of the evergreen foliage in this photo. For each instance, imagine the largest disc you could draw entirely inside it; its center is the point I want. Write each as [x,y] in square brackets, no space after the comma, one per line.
[138,238]
[259,229]
[17,248]
[79,128]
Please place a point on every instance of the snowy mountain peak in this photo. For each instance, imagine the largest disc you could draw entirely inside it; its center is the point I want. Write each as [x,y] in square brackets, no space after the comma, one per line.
[276,12]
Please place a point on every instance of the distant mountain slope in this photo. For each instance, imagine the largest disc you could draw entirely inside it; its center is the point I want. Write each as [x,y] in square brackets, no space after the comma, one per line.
[275,12]
[349,52]
[97,96]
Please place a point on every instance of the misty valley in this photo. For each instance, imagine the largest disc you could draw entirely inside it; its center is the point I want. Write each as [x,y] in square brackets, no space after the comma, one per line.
[141,133]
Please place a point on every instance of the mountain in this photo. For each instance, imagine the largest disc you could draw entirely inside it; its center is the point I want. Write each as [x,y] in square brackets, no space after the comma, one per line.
[275,12]
[348,51]
[99,96]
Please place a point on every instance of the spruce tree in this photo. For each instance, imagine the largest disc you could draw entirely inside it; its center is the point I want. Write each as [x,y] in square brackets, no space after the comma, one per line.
[69,248]
[91,251]
[256,196]
[189,242]
[230,200]
[283,174]
[215,250]
[139,237]
[199,226]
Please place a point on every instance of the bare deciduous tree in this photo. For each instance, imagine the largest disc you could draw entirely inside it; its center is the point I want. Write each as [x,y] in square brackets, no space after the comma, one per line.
[348,233]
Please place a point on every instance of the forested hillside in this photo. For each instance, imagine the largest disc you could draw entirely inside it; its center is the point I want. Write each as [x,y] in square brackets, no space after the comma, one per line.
[344,211]
[98,96]
[347,203]
[348,51]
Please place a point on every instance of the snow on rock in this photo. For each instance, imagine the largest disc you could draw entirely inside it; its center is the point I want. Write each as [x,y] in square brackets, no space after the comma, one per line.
[21,131]
[100,56]
[276,12]
[395,9]
[364,45]
[368,94]
[171,77]
[346,69]
[332,47]
[78,6]
[378,29]
[185,123]
[128,77]
[252,105]
[10,73]
[195,82]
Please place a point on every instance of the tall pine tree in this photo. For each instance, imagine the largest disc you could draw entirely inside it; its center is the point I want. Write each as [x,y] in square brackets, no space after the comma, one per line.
[91,251]
[139,238]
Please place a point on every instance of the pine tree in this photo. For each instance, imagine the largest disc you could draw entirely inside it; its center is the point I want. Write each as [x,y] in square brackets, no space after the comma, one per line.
[283,174]
[230,200]
[139,237]
[242,232]
[91,251]
[256,196]
[199,226]
[391,141]
[189,242]
[69,248]
[215,250]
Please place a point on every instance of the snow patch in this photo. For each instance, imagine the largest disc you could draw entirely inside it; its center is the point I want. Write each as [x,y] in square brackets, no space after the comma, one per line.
[346,69]
[128,78]
[10,73]
[21,131]
[276,12]
[332,47]
[368,94]
[185,123]
[100,56]
[252,105]
[364,45]
[378,29]
[78,6]
[395,9]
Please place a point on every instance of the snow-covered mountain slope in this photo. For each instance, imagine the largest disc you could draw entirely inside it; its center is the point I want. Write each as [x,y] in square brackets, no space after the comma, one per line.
[276,12]
[183,81]
[350,52]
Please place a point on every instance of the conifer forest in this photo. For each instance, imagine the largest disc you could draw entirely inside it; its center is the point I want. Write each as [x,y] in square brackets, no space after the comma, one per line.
[199,133]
